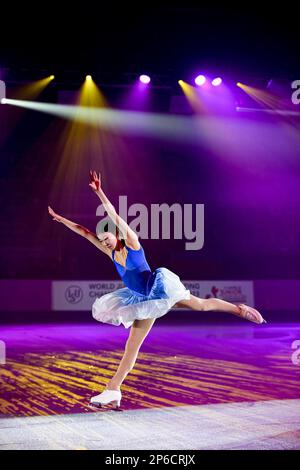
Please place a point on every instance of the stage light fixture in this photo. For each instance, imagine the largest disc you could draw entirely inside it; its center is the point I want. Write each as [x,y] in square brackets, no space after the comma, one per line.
[216,81]
[200,80]
[145,79]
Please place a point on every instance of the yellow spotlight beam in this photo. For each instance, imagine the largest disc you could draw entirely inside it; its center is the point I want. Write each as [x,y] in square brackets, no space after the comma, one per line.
[191,94]
[33,89]
[90,95]
[260,96]
[80,141]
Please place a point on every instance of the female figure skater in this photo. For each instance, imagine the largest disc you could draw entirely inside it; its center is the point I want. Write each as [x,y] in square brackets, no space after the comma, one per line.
[146,296]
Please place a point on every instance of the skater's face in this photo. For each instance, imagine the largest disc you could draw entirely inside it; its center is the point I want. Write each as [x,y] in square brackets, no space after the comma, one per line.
[108,239]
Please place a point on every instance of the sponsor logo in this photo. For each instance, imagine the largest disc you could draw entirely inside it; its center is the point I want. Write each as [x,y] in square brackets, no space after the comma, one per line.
[74,294]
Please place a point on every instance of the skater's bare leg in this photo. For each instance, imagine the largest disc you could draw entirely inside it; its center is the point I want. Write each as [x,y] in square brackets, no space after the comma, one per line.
[138,333]
[243,311]
[196,303]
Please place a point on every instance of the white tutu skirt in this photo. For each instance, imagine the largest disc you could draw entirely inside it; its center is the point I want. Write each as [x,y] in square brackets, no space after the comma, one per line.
[123,306]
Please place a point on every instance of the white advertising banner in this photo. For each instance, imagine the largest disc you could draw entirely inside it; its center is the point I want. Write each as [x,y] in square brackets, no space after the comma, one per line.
[80,295]
[232,291]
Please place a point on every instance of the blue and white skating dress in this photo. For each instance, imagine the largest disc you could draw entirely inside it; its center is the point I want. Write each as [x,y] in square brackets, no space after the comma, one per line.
[147,294]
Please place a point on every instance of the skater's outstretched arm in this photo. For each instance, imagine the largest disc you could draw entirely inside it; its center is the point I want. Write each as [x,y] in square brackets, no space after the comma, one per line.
[128,234]
[83,231]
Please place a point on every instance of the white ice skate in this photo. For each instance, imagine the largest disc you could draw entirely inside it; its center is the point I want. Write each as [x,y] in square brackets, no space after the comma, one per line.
[107,397]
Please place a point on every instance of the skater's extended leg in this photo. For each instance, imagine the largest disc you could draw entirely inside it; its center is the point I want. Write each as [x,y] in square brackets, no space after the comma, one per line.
[243,311]
[196,303]
[138,333]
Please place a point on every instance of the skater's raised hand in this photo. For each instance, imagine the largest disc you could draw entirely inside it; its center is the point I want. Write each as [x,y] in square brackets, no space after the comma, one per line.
[95,182]
[127,233]
[55,216]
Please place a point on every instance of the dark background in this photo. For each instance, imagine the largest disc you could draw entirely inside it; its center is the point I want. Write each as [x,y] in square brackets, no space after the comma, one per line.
[242,38]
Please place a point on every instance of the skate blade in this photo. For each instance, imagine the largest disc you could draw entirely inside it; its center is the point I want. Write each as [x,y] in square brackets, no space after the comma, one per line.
[109,406]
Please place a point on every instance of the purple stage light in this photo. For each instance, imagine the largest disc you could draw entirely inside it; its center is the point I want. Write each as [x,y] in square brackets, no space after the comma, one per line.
[200,80]
[216,81]
[145,79]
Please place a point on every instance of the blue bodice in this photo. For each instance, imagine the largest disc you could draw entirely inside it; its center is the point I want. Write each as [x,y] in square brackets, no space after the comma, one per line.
[136,275]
